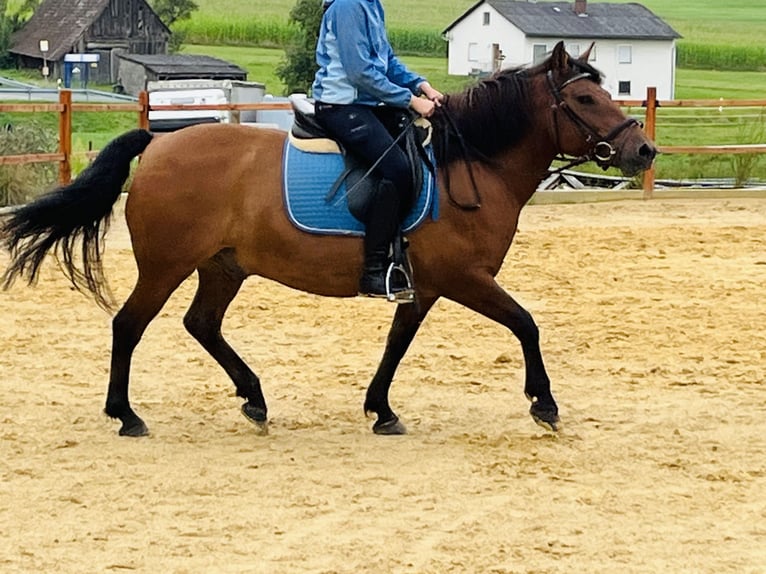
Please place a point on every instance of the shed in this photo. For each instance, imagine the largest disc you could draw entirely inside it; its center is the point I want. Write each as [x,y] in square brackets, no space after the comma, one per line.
[102,27]
[634,47]
[136,71]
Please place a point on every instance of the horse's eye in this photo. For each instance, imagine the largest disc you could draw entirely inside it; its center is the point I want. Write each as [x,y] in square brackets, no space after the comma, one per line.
[585,99]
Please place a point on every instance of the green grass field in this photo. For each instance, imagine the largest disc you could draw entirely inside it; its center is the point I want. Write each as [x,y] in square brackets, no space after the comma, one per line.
[675,127]
[690,84]
[731,23]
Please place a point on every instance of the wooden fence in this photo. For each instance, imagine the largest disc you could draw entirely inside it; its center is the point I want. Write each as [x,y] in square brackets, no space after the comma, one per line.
[651,103]
[65,108]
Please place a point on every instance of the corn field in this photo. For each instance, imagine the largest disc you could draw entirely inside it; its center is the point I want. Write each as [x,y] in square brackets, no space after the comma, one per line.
[716,57]
[272,32]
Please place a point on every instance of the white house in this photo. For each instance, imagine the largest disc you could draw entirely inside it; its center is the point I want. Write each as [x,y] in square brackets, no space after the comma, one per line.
[634,48]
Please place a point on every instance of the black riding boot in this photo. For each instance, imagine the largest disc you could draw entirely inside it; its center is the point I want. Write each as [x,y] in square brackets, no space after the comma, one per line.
[381,226]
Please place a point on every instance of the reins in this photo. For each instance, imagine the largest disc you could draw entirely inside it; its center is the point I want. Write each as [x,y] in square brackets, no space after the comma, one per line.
[602,152]
[466,159]
[476,204]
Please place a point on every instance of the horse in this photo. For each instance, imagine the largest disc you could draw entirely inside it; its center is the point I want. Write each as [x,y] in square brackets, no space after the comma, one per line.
[208,199]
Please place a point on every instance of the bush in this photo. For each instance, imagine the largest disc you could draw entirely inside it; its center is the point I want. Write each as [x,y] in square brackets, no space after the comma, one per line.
[20,183]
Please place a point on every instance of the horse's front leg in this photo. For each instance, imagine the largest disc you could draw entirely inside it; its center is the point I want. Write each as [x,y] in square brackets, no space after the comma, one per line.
[406,323]
[485,296]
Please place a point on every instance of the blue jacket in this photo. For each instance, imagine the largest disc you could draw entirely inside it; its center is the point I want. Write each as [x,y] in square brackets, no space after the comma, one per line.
[356,62]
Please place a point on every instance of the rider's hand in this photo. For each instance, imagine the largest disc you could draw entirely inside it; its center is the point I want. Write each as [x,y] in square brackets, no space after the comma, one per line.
[422,106]
[432,94]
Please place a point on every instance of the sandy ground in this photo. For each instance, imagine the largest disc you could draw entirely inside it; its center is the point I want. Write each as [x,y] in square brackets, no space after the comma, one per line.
[652,321]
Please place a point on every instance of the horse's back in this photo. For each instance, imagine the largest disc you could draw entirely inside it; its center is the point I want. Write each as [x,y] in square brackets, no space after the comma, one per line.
[220,146]
[203,186]
[212,187]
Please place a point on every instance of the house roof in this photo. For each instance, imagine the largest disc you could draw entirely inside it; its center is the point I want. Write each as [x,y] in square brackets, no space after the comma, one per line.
[559,20]
[185,66]
[62,23]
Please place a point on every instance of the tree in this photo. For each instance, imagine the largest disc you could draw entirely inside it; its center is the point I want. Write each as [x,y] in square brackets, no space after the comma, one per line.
[26,9]
[5,34]
[10,23]
[172,11]
[299,66]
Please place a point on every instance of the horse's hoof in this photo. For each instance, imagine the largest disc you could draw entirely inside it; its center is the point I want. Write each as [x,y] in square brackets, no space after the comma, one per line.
[135,428]
[545,416]
[390,427]
[257,416]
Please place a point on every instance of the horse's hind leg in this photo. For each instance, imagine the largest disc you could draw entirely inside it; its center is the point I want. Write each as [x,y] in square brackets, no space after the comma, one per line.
[407,320]
[219,281]
[128,325]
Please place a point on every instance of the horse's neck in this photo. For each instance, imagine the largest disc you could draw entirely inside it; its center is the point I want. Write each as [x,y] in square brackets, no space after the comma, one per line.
[524,166]
[508,182]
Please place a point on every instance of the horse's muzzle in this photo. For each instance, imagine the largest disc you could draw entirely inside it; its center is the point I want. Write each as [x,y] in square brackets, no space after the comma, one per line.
[636,154]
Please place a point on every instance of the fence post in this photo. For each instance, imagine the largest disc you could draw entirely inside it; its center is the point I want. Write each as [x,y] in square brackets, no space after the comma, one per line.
[650,128]
[65,136]
[143,114]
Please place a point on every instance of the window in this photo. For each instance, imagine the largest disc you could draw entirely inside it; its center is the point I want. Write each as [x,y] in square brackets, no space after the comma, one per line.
[573,50]
[623,88]
[624,54]
[486,18]
[473,52]
[592,57]
[539,52]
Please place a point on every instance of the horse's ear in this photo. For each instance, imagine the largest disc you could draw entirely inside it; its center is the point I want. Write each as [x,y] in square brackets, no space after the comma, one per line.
[559,58]
[585,56]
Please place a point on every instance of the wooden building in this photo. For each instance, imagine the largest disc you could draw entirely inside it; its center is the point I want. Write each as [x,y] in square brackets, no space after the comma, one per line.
[137,71]
[101,28]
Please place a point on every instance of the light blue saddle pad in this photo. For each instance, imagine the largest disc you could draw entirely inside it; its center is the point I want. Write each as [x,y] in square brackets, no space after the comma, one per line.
[308,177]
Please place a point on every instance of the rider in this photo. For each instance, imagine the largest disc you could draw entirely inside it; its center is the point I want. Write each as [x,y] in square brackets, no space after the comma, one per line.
[358,71]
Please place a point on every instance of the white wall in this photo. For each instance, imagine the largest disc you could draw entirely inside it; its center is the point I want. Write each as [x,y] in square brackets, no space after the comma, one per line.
[471,30]
[652,61]
[652,64]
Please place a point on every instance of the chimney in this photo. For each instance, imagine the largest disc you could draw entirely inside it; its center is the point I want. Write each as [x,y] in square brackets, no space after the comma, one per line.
[580,6]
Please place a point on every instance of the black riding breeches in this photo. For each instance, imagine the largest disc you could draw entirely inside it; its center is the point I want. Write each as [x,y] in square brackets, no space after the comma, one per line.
[363,134]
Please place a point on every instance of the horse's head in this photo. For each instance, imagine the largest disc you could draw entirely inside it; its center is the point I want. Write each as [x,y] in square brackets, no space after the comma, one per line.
[585,122]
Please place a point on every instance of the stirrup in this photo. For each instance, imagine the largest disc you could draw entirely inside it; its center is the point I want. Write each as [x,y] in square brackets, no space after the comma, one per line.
[406,295]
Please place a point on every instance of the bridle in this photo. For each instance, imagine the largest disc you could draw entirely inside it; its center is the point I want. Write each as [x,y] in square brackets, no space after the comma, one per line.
[602,152]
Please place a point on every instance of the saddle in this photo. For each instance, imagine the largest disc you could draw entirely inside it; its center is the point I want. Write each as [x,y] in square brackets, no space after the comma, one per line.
[308,136]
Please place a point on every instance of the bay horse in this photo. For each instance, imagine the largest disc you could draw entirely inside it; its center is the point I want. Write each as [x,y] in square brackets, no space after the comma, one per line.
[208,198]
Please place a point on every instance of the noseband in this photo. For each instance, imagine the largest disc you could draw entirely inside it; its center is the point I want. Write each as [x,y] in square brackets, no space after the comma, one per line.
[603,151]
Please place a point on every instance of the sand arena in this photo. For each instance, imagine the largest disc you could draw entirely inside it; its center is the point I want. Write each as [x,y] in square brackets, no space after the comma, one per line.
[652,321]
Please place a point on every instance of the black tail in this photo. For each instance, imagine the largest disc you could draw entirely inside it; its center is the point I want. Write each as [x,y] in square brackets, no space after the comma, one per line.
[75,213]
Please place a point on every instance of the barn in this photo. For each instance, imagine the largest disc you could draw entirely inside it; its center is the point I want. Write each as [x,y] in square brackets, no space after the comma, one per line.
[634,48]
[88,35]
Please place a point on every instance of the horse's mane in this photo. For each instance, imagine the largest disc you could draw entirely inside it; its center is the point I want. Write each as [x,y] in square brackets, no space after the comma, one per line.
[491,115]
